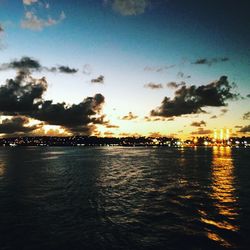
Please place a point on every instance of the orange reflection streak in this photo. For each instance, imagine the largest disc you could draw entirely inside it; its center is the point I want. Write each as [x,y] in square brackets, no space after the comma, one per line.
[223,181]
[2,169]
[223,195]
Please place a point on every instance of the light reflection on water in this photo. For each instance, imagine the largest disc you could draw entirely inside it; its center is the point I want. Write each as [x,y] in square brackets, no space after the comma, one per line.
[223,195]
[2,168]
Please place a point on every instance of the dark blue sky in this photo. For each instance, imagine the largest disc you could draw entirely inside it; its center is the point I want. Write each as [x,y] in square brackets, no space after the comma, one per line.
[131,43]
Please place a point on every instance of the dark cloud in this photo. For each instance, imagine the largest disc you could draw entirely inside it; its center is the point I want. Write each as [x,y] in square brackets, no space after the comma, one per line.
[245,129]
[213,117]
[238,126]
[77,118]
[152,85]
[67,70]
[153,119]
[158,69]
[191,100]
[246,116]
[223,112]
[99,79]
[209,62]
[130,7]
[202,131]
[112,126]
[155,135]
[30,64]
[25,63]
[180,74]
[129,117]
[248,95]
[1,28]
[108,133]
[16,125]
[175,85]
[22,95]
[171,119]
[198,124]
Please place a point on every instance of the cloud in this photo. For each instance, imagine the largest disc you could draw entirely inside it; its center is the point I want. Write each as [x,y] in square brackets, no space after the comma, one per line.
[152,85]
[112,126]
[99,79]
[153,119]
[213,117]
[155,134]
[30,64]
[180,74]
[129,117]
[223,111]
[158,69]
[175,85]
[198,124]
[67,70]
[33,22]
[202,131]
[246,116]
[238,126]
[17,124]
[248,95]
[22,95]
[130,7]
[25,63]
[1,35]
[77,118]
[108,134]
[245,129]
[87,69]
[29,2]
[209,62]
[191,100]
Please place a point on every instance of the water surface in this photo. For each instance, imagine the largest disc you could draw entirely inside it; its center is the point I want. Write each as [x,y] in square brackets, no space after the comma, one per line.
[124,198]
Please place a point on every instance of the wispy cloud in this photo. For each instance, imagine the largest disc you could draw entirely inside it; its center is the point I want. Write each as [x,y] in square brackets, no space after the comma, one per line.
[153,119]
[87,69]
[130,7]
[182,75]
[36,22]
[246,116]
[245,129]
[130,116]
[29,2]
[198,124]
[213,117]
[33,22]
[99,79]
[175,85]
[152,85]
[31,64]
[158,69]
[209,62]
[202,131]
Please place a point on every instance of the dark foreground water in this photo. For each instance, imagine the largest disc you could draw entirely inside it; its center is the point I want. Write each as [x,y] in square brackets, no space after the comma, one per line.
[124,198]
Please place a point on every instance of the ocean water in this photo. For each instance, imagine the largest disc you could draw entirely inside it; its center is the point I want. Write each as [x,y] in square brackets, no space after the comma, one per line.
[124,198]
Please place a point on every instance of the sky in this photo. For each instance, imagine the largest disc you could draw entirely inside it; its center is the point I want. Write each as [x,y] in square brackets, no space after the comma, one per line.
[124,67]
